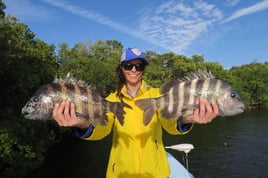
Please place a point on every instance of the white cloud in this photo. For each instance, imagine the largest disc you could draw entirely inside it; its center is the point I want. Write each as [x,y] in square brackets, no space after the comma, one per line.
[248,10]
[172,26]
[175,25]
[91,15]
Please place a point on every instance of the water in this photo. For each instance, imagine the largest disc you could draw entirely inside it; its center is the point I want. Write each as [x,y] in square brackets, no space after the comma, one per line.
[227,147]
[230,147]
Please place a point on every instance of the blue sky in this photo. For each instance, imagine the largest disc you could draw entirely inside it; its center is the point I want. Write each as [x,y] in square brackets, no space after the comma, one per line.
[231,32]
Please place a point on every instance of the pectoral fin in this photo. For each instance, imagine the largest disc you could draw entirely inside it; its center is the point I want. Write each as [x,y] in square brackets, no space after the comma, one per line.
[82,115]
[189,109]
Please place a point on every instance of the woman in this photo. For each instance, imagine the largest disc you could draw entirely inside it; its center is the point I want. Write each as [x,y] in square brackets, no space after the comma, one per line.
[137,149]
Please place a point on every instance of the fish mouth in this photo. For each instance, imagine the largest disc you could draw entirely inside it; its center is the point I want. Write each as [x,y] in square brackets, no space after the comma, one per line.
[233,110]
[26,114]
[33,116]
[241,109]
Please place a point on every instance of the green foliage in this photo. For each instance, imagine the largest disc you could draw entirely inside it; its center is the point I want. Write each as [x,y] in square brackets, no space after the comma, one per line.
[95,63]
[252,83]
[22,146]
[25,64]
[2,7]
[156,73]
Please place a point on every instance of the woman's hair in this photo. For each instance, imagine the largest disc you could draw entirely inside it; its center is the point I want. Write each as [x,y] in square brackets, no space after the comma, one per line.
[121,80]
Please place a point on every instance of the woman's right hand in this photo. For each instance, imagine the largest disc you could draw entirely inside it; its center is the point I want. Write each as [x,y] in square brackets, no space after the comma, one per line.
[204,114]
[64,115]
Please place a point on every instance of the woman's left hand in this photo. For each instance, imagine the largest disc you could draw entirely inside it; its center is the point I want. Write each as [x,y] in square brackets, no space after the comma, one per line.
[204,114]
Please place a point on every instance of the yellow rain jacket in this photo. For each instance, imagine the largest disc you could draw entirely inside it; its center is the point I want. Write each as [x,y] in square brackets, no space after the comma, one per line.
[137,150]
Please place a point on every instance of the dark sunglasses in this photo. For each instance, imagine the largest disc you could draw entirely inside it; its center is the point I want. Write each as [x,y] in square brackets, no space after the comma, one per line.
[138,66]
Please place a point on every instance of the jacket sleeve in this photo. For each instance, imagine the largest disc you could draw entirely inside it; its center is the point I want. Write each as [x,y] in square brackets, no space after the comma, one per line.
[183,127]
[83,133]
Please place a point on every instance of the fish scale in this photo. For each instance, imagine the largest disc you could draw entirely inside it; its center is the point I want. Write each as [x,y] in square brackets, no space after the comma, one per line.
[179,96]
[88,101]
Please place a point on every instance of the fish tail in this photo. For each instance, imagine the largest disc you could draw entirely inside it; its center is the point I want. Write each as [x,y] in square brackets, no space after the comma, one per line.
[149,107]
[120,111]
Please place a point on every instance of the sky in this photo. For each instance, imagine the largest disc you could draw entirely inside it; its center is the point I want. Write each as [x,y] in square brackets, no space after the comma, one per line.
[230,32]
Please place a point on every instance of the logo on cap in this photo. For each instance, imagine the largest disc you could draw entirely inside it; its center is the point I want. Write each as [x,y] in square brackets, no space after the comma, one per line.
[136,51]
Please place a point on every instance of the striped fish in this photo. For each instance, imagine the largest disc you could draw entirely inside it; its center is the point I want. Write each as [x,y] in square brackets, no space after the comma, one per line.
[89,103]
[178,97]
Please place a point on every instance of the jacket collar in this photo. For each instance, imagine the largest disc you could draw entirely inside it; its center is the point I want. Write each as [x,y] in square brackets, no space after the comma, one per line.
[144,86]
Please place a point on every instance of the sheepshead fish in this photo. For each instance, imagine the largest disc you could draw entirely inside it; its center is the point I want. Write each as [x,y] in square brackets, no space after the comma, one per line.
[89,102]
[178,97]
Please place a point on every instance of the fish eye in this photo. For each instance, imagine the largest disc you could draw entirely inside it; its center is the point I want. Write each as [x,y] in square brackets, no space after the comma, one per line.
[233,95]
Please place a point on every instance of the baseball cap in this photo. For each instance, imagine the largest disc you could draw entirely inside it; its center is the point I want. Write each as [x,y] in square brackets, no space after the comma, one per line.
[131,54]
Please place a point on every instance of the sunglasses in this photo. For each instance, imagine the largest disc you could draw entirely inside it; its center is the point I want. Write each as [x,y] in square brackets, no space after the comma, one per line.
[138,66]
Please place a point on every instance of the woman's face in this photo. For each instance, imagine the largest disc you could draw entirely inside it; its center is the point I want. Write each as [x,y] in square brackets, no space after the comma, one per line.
[133,71]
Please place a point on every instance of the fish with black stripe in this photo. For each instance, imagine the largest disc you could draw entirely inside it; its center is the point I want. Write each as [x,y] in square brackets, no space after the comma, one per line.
[178,97]
[89,102]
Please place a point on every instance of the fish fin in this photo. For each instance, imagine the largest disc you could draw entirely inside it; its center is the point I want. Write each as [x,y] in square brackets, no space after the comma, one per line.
[148,115]
[199,74]
[103,121]
[165,114]
[149,108]
[81,115]
[195,106]
[188,110]
[85,117]
[97,120]
[119,113]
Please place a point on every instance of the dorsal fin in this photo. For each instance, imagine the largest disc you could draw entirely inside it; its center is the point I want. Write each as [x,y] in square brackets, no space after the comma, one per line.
[200,74]
[71,80]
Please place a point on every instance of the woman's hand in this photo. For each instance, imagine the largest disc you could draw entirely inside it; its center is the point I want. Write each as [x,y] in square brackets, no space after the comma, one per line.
[64,115]
[204,114]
